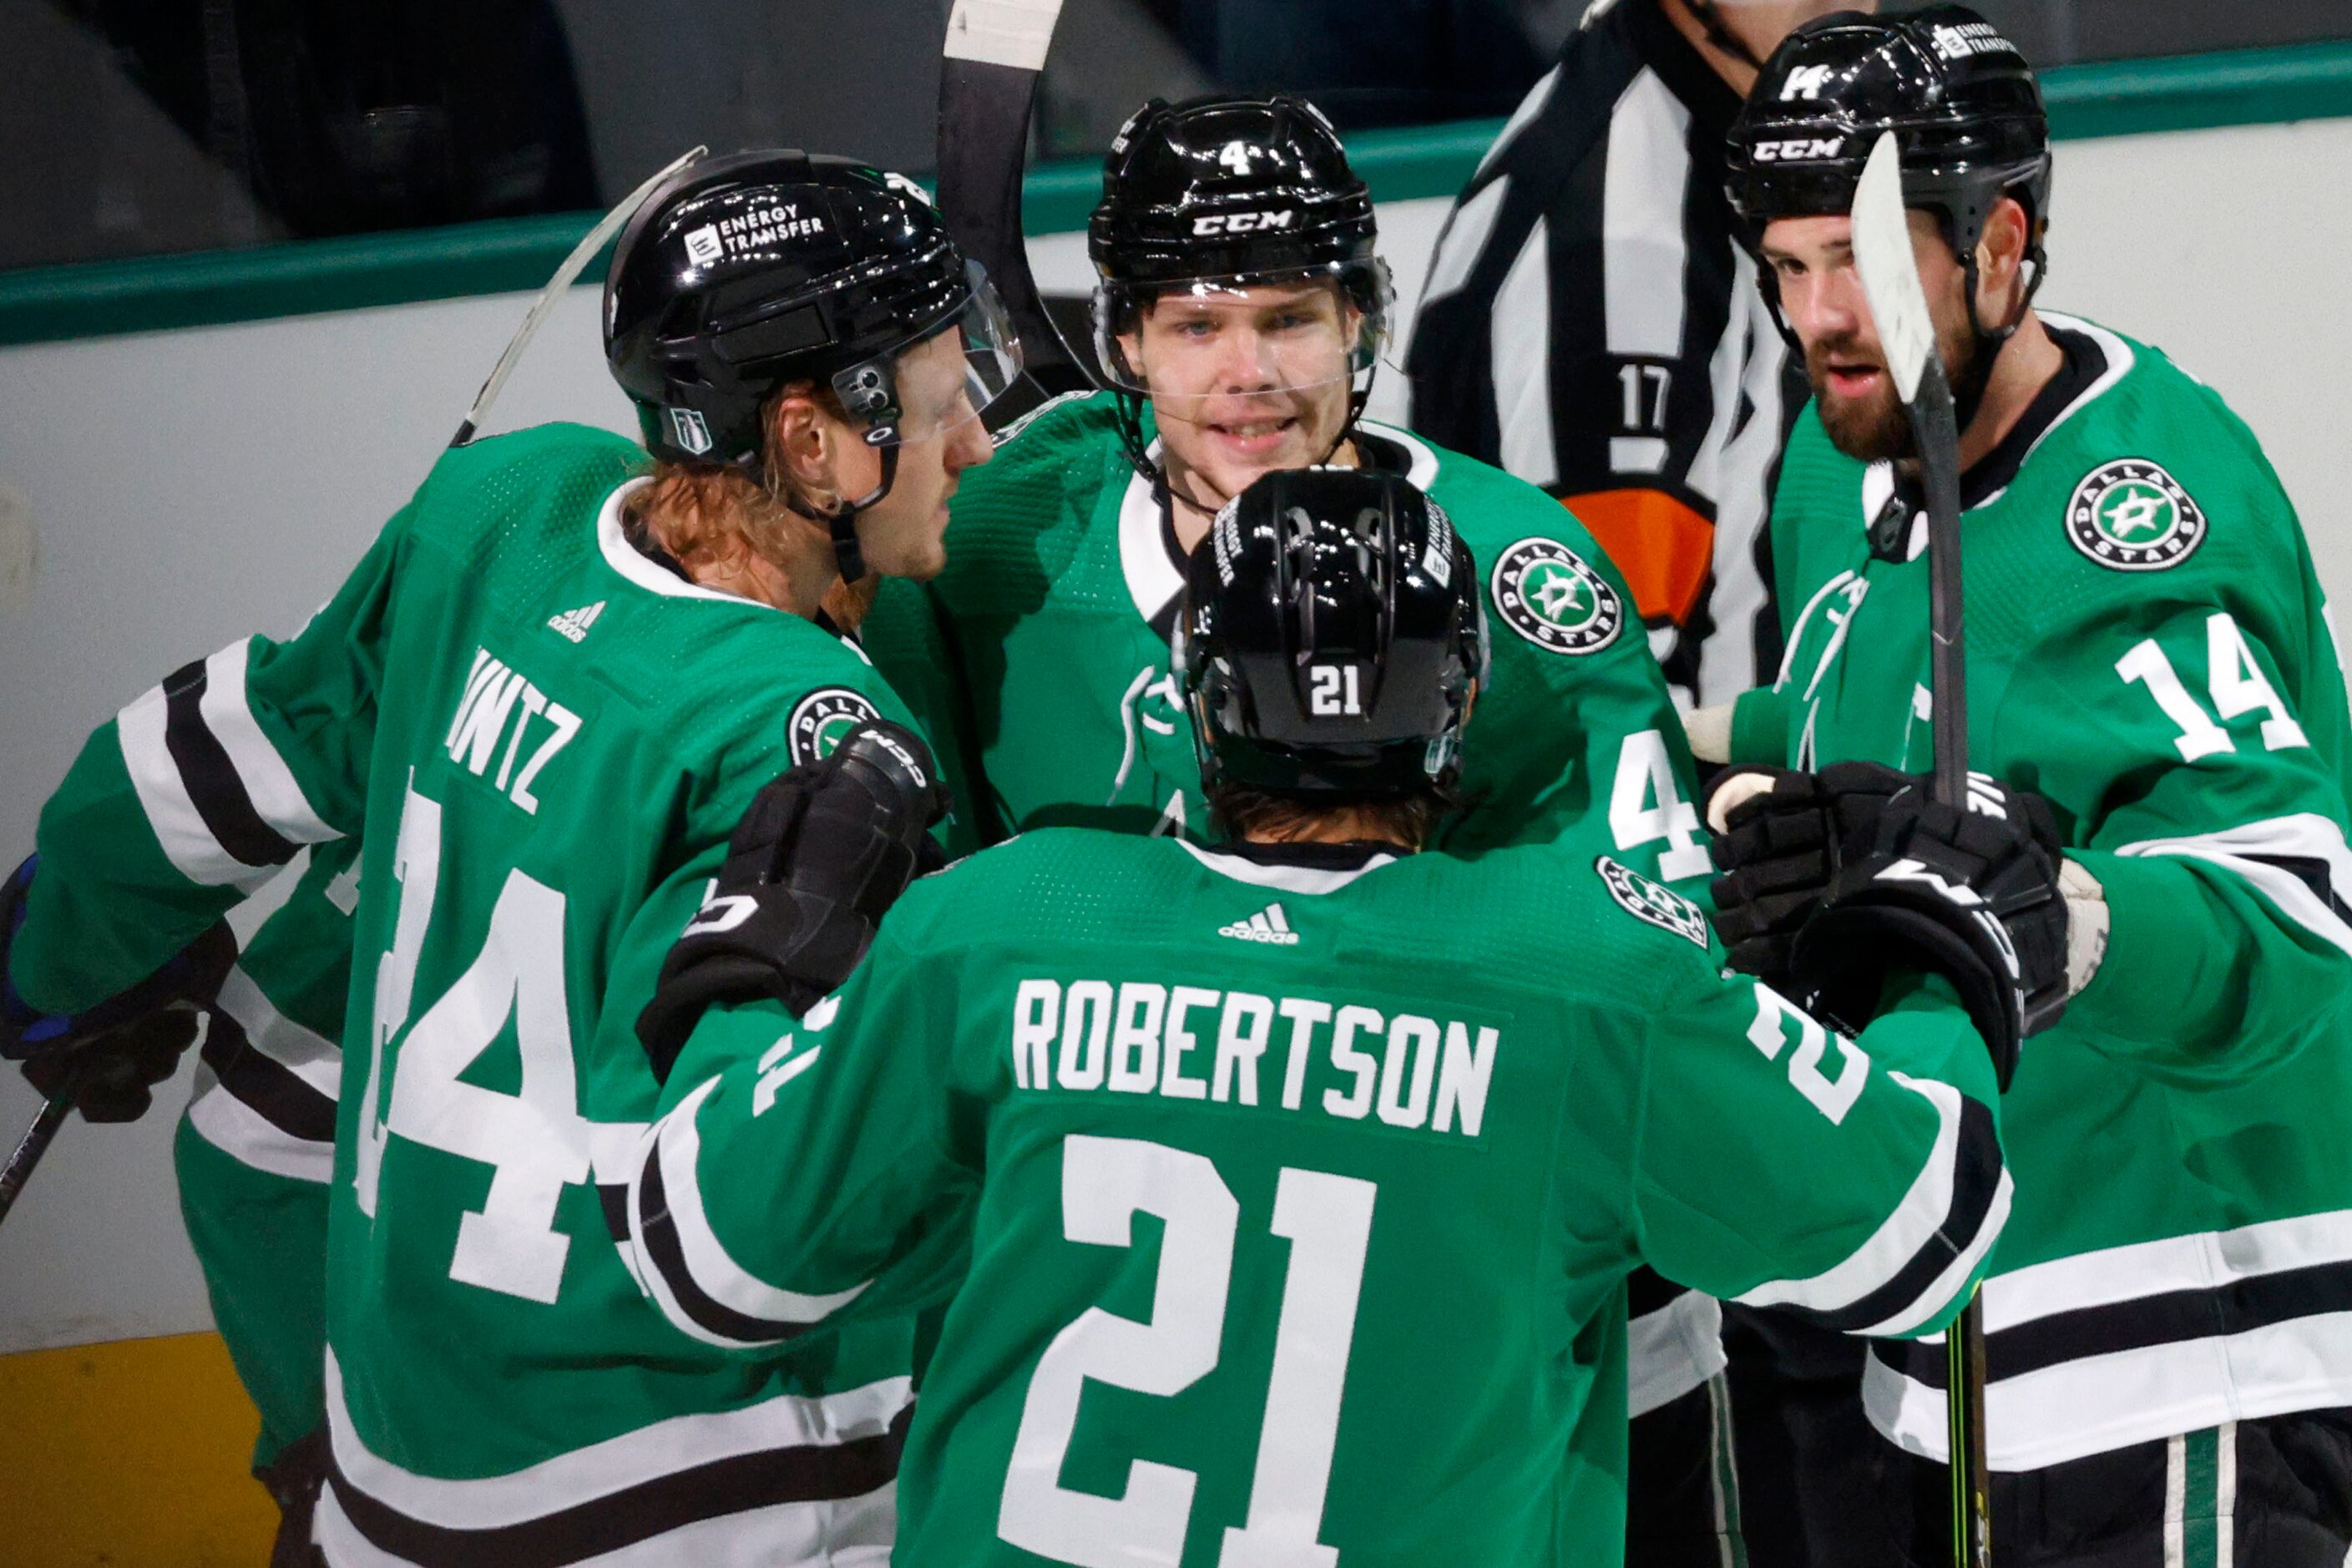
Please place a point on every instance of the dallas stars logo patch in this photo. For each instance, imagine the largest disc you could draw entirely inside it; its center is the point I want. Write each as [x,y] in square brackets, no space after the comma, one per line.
[2132,516]
[1648,902]
[1553,599]
[821,718]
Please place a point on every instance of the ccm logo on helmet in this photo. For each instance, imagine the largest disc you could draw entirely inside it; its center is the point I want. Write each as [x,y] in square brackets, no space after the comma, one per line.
[1244,223]
[1800,148]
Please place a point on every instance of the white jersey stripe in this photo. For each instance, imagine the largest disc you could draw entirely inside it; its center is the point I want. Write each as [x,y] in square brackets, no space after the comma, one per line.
[2305,835]
[1673,1351]
[1521,358]
[1464,240]
[2092,1405]
[1915,1222]
[1529,107]
[2207,1260]
[584,1475]
[179,827]
[251,1138]
[678,1147]
[276,796]
[1643,250]
[310,1057]
[1941,1290]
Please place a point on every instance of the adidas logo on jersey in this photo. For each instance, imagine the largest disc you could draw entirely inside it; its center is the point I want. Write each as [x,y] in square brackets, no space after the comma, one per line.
[1267,925]
[572,624]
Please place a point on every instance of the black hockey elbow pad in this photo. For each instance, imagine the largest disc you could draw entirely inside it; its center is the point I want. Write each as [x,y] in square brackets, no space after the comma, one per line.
[820,854]
[1970,894]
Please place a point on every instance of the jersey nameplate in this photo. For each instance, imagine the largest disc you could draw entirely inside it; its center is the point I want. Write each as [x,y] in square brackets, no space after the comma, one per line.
[821,719]
[1549,596]
[2131,516]
[1648,902]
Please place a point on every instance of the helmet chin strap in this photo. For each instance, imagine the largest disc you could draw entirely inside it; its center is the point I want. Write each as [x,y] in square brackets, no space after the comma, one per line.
[841,522]
[1156,474]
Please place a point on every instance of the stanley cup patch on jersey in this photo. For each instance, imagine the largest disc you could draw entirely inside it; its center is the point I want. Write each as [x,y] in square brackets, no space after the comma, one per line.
[821,719]
[2131,515]
[1647,901]
[1548,595]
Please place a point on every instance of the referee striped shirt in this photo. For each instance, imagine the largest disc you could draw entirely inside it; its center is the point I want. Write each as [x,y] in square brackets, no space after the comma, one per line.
[1591,324]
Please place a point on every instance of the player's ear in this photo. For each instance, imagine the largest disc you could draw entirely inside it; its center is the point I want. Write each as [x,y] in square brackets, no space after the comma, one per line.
[801,441]
[2000,253]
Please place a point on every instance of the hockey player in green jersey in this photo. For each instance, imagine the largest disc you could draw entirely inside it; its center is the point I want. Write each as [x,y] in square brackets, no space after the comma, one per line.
[1242,311]
[255,1153]
[1240,318]
[540,705]
[2168,1315]
[1303,1174]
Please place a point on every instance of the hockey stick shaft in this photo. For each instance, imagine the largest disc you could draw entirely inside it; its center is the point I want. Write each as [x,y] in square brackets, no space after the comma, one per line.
[31,1147]
[1898,305]
[989,72]
[572,266]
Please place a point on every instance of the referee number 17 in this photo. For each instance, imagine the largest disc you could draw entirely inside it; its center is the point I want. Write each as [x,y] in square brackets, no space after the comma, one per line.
[1327,1220]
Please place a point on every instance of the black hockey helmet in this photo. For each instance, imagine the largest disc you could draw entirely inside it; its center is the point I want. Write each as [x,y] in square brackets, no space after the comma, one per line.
[743,273]
[1332,639]
[1963,103]
[1215,194]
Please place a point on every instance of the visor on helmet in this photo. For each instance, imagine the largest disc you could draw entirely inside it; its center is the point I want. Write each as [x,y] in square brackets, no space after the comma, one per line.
[943,379]
[1198,347]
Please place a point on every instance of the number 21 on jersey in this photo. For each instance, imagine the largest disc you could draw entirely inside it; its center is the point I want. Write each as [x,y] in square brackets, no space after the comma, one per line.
[1327,1220]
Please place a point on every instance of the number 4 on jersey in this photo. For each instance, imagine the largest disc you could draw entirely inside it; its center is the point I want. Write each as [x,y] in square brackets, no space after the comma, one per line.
[1645,805]
[535,1140]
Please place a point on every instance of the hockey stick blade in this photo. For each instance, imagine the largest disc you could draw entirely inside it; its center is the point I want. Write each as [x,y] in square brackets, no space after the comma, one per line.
[574,265]
[989,72]
[31,1147]
[1906,334]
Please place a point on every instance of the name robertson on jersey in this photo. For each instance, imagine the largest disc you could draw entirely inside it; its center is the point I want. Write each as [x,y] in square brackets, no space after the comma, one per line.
[493,694]
[1188,1042]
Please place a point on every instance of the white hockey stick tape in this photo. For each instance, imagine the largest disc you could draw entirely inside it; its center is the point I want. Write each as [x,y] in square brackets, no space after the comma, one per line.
[1889,268]
[1014,33]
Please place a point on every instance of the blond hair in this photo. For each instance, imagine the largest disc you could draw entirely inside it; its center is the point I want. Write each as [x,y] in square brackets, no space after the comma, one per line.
[712,516]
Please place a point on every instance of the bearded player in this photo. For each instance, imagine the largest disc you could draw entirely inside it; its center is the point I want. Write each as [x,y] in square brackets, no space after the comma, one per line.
[540,706]
[2168,1315]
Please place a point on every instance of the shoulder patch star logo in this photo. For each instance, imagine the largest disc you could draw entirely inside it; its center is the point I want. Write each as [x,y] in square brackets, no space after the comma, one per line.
[2129,515]
[1545,592]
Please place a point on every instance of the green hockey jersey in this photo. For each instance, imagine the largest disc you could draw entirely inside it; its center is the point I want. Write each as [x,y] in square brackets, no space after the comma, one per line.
[1302,1191]
[256,1148]
[2148,648]
[542,737]
[1061,590]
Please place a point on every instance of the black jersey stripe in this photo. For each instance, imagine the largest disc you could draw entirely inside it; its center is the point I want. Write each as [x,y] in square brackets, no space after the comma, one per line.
[211,779]
[1976,1183]
[2176,1317]
[810,1472]
[658,1240]
[2313,872]
[270,1089]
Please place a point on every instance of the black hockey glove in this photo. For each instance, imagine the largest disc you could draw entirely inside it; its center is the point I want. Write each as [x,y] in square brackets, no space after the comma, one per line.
[822,853]
[1972,895]
[1777,849]
[109,1058]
